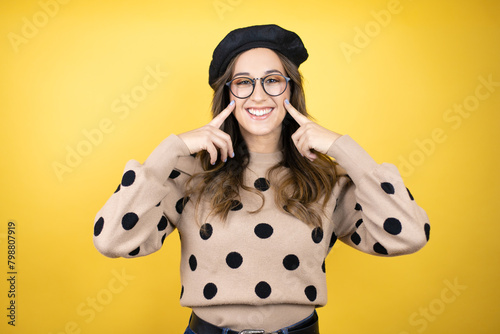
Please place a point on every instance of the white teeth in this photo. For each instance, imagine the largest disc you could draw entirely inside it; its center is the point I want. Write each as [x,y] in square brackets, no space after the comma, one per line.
[259,112]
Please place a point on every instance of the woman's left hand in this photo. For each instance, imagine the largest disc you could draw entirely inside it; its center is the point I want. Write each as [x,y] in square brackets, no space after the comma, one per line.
[310,136]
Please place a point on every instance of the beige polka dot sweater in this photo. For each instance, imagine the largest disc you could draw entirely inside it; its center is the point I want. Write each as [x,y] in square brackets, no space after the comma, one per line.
[268,257]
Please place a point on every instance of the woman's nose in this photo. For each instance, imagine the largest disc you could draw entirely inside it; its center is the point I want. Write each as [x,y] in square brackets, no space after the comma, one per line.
[258,94]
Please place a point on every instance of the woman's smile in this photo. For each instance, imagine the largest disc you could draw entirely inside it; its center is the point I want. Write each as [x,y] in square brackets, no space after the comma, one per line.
[259,113]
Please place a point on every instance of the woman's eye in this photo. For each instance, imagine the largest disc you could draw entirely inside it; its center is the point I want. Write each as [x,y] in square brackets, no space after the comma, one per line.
[273,80]
[243,82]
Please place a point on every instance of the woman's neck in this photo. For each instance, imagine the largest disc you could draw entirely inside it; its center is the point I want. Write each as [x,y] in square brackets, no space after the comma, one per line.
[263,144]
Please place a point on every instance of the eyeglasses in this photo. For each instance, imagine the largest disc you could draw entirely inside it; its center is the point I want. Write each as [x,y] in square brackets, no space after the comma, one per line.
[273,85]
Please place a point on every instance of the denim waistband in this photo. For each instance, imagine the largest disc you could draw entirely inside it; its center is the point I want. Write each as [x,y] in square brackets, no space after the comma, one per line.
[308,325]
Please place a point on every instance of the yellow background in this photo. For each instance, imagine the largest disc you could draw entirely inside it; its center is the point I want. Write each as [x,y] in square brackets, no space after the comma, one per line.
[60,80]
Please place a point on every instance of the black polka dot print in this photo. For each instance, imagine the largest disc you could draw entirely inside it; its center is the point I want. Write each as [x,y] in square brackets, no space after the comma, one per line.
[388,188]
[378,248]
[427,229]
[157,205]
[333,240]
[261,184]
[206,231]
[263,290]
[317,235]
[358,207]
[355,238]
[179,206]
[291,262]
[336,204]
[174,174]
[209,291]
[135,251]
[234,260]
[392,226]
[162,225]
[99,224]
[311,293]
[182,292]
[409,194]
[128,178]
[359,222]
[323,266]
[263,230]
[193,263]
[236,206]
[163,238]
[117,188]
[129,220]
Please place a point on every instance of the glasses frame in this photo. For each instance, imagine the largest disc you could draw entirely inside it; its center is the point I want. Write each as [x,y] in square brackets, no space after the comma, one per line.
[287,79]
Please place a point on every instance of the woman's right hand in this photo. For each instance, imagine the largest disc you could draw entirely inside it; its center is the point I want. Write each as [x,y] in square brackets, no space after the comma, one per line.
[210,137]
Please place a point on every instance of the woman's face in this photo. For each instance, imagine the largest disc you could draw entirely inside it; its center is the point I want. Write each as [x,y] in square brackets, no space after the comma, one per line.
[259,115]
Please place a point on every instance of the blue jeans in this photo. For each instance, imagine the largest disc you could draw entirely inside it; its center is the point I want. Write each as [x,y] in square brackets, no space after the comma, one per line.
[189,331]
[285,330]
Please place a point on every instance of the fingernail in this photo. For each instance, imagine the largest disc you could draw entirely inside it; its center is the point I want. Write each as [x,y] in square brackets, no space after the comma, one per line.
[232,102]
[213,163]
[287,102]
[232,155]
[225,160]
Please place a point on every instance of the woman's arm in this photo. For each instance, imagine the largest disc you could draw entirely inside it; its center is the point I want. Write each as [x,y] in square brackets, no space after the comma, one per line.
[147,204]
[375,212]
[142,211]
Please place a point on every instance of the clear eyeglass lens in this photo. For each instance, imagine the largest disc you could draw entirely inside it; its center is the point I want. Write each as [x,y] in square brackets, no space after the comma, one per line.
[274,85]
[242,87]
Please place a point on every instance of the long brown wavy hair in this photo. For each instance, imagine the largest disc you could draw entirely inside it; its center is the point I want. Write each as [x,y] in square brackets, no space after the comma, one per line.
[302,191]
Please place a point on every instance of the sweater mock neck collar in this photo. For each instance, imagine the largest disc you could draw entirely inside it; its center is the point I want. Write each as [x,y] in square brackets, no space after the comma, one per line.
[265,158]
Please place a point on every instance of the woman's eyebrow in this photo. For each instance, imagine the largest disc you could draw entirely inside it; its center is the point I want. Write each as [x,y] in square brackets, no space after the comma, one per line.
[272,71]
[241,73]
[266,72]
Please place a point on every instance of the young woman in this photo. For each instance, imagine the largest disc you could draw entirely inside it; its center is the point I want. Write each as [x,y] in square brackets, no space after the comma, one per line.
[257,198]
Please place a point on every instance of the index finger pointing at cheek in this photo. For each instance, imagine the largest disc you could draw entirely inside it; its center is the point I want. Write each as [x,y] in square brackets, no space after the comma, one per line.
[297,116]
[221,117]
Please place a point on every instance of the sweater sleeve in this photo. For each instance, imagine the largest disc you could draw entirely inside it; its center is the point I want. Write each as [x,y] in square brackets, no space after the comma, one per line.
[375,212]
[146,205]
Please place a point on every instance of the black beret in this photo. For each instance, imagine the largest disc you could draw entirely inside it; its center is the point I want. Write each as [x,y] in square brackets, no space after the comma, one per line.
[268,36]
